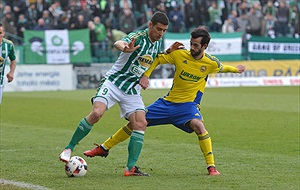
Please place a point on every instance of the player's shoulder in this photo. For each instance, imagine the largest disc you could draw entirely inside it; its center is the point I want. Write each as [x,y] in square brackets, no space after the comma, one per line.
[9,42]
[179,53]
[212,59]
[137,34]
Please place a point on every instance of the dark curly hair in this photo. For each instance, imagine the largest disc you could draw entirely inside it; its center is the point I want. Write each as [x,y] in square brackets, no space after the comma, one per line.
[201,31]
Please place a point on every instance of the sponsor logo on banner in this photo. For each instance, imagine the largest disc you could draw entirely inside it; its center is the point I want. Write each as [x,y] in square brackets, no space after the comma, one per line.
[267,47]
[57,46]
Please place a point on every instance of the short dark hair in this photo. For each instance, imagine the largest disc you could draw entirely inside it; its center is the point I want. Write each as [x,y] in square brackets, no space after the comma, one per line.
[1,24]
[201,31]
[159,17]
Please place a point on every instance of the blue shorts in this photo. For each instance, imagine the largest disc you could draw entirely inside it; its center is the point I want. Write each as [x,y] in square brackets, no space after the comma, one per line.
[163,112]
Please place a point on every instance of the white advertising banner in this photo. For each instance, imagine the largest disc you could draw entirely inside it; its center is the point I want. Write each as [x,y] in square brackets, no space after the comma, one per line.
[235,82]
[269,47]
[40,78]
[217,46]
[58,52]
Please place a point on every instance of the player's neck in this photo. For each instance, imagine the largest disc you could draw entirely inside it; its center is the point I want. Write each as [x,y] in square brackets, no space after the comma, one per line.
[151,40]
[199,56]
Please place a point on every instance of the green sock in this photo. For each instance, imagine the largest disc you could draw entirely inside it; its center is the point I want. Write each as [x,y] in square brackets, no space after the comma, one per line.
[134,148]
[82,130]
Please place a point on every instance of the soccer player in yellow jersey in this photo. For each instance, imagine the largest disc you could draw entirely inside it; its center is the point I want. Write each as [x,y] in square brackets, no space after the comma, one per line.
[180,106]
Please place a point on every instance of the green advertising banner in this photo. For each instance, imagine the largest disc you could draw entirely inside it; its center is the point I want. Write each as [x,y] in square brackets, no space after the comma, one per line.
[261,48]
[19,54]
[57,46]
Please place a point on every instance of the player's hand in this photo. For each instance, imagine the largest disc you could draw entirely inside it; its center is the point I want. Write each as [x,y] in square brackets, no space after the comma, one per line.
[175,46]
[144,82]
[241,68]
[130,47]
[10,77]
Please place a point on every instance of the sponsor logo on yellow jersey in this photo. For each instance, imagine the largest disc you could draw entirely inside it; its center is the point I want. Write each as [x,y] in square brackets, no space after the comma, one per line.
[188,76]
[203,69]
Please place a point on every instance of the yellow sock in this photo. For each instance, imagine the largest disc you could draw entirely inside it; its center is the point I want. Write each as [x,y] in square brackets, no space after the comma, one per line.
[121,135]
[206,147]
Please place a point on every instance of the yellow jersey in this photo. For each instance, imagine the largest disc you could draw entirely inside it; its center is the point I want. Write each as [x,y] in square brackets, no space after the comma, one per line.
[190,74]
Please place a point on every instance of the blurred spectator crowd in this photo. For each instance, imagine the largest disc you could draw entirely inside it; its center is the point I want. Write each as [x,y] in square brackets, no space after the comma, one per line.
[110,20]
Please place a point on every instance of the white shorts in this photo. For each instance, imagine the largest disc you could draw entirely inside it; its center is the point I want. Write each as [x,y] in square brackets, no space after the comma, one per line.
[109,94]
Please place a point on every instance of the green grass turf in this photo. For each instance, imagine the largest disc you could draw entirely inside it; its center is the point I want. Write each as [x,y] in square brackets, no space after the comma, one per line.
[255,134]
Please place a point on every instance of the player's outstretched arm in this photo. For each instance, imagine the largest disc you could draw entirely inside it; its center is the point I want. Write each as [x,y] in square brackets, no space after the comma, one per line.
[241,68]
[175,46]
[231,69]
[124,47]
[144,82]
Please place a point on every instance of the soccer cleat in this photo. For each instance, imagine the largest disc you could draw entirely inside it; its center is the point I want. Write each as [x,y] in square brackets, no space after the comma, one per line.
[135,171]
[212,171]
[97,151]
[65,155]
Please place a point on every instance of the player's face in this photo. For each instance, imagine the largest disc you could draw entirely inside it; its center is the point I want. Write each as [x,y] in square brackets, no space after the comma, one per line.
[156,31]
[1,33]
[196,48]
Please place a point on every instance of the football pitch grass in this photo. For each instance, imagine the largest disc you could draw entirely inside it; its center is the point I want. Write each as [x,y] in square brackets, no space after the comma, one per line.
[254,130]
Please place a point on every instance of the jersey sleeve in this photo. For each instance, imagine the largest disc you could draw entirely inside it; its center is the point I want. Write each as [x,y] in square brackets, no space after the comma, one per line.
[126,39]
[160,59]
[130,36]
[220,67]
[228,69]
[12,52]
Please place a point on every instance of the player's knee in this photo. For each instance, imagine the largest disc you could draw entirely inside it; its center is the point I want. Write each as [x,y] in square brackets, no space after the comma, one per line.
[95,116]
[198,127]
[140,125]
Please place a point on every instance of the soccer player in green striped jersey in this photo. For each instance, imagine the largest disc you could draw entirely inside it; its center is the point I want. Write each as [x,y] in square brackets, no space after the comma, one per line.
[7,52]
[180,106]
[121,85]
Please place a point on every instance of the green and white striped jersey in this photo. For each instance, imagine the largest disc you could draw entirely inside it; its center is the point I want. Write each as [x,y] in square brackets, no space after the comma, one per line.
[7,51]
[129,67]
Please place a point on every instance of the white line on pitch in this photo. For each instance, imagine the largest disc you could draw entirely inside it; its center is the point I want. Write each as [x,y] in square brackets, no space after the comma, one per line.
[22,184]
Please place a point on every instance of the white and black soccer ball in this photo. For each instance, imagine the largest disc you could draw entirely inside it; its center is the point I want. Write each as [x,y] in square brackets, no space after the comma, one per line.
[76,167]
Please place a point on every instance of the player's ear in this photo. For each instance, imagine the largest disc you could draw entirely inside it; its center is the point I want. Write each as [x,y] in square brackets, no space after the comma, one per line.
[205,46]
[150,24]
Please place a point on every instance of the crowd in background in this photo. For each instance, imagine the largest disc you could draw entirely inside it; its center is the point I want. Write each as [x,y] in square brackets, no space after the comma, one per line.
[110,20]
